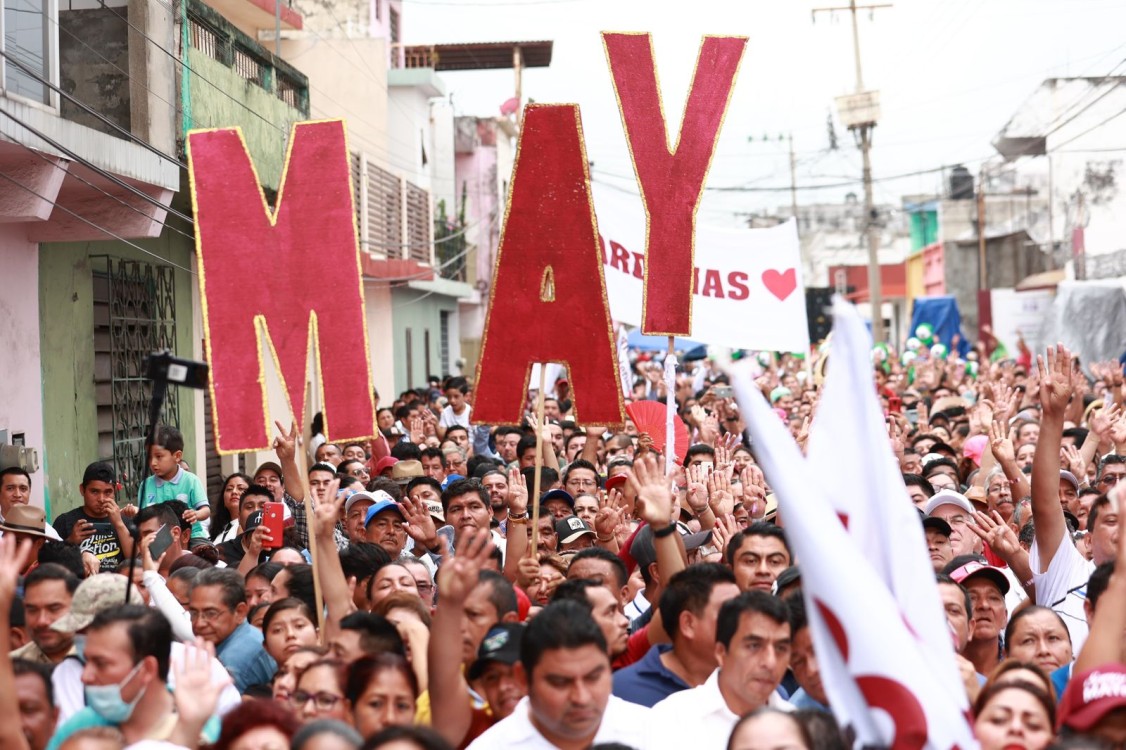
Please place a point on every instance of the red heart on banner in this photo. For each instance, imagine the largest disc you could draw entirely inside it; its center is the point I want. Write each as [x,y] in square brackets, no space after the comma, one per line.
[781,285]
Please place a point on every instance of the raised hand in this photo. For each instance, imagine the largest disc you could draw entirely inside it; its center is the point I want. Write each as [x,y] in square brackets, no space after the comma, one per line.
[720,496]
[651,486]
[325,514]
[196,693]
[14,554]
[725,528]
[517,497]
[1056,380]
[993,530]
[1000,443]
[697,495]
[1102,420]
[610,517]
[418,431]
[285,444]
[457,575]
[1073,460]
[419,524]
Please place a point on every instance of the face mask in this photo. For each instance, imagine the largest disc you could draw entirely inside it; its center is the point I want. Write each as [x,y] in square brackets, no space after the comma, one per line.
[107,702]
[80,646]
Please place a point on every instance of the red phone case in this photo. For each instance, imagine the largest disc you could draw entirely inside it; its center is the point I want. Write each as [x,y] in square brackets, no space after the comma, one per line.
[273,518]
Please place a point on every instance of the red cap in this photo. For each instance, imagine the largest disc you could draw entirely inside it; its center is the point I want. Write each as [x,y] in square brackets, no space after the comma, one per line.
[523,604]
[384,464]
[1091,695]
[615,482]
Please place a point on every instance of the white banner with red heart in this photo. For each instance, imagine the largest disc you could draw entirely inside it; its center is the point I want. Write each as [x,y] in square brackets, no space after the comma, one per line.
[748,285]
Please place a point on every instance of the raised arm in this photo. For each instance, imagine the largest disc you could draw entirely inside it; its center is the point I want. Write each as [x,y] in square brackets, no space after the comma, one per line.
[334,586]
[450,706]
[12,560]
[516,542]
[1055,392]
[1104,642]
[285,445]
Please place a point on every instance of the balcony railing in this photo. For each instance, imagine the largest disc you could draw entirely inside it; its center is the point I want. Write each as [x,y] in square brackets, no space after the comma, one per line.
[393,215]
[215,37]
[413,56]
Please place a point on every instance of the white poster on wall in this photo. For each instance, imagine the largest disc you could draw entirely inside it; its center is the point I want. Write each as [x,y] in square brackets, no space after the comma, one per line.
[1017,314]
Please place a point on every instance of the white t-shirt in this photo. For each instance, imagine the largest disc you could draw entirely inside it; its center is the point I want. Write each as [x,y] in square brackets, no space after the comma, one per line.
[449,419]
[698,717]
[1063,587]
[621,722]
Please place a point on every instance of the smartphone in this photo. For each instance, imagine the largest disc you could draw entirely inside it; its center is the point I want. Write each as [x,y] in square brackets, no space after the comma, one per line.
[895,404]
[161,542]
[723,391]
[273,518]
[912,416]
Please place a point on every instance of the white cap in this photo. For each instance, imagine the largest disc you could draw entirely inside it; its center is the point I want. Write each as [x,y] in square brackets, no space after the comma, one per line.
[948,497]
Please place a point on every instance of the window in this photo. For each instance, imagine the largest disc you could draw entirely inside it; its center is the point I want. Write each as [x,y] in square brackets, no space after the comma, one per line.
[410,360]
[28,42]
[426,349]
[444,341]
[393,22]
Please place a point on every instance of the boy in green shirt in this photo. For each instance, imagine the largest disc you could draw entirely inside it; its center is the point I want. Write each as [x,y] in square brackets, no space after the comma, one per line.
[169,481]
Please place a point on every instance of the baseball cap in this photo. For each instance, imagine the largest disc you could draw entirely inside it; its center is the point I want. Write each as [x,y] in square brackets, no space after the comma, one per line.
[384,464]
[964,567]
[616,482]
[974,447]
[434,508]
[1067,475]
[948,497]
[253,521]
[644,553]
[501,643]
[571,528]
[1091,695]
[450,479]
[373,497]
[404,471]
[96,593]
[270,466]
[563,495]
[787,577]
[938,524]
[382,505]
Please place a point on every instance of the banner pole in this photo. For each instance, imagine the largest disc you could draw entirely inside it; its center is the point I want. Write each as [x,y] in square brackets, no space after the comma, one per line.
[670,406]
[539,462]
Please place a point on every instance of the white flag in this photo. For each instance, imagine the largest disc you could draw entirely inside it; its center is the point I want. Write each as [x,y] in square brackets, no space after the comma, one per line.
[849,451]
[625,370]
[874,669]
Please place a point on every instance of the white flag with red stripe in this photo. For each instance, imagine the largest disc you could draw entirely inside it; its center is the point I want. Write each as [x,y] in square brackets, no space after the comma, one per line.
[881,674]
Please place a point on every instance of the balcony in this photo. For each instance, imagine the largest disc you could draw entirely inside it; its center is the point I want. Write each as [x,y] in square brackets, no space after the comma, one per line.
[234,81]
[253,15]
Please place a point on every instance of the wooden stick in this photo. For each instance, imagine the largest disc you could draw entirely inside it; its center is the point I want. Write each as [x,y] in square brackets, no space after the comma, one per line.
[670,413]
[539,462]
[318,597]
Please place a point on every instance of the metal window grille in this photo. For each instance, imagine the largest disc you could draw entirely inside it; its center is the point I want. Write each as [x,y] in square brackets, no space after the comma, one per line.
[134,315]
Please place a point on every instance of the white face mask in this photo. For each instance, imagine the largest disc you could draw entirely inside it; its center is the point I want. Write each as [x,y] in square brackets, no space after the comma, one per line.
[107,702]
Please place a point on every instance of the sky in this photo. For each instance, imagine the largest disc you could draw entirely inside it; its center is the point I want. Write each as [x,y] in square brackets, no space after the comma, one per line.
[950,74]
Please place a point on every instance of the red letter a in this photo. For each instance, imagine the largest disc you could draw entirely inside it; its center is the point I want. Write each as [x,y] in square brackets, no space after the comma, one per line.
[671,177]
[549,236]
[283,276]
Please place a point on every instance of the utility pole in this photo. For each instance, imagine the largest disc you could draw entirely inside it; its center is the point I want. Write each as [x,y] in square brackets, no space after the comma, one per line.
[793,182]
[859,112]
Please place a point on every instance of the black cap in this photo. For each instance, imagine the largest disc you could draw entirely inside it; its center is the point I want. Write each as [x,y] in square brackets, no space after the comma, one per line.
[501,643]
[938,524]
[253,521]
[787,577]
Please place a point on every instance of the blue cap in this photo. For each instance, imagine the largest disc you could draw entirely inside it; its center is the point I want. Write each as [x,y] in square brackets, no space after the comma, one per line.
[563,495]
[450,479]
[381,506]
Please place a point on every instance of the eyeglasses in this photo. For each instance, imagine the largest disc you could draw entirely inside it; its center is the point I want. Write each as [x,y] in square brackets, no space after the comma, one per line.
[207,615]
[1110,478]
[582,482]
[323,701]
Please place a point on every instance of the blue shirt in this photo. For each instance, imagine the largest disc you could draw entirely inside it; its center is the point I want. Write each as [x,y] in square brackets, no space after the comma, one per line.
[803,700]
[648,681]
[1060,677]
[245,658]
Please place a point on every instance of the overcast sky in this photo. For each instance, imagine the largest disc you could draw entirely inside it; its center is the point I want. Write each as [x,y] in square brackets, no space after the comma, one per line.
[950,74]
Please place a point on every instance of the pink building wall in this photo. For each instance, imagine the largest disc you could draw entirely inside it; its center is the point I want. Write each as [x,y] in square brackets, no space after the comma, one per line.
[21,397]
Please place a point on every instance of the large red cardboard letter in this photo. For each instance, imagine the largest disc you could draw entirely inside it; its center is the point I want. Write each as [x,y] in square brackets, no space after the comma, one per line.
[548,299]
[281,276]
[671,177]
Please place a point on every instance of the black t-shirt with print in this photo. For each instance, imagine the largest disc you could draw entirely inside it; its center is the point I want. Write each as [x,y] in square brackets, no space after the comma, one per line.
[104,544]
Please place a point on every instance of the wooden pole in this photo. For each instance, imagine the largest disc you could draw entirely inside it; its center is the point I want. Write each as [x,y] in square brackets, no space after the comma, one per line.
[318,597]
[670,408]
[539,462]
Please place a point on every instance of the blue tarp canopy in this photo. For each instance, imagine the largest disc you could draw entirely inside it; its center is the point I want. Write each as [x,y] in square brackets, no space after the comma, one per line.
[943,316]
[638,340]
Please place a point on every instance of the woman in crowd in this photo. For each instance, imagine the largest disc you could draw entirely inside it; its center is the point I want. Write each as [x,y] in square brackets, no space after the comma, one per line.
[1015,670]
[381,692]
[224,508]
[407,738]
[1014,716]
[294,581]
[326,734]
[1038,635]
[769,729]
[320,691]
[258,582]
[285,679]
[257,725]
[287,626]
[389,579]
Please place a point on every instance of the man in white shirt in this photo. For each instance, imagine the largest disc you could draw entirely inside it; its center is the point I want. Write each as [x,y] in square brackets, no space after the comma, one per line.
[1059,570]
[569,706]
[753,651]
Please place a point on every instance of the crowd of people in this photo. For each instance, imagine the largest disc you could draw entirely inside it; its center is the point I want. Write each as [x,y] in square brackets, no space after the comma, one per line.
[429,601]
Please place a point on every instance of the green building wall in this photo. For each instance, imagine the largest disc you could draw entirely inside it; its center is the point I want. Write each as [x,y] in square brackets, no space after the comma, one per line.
[67,341]
[420,312]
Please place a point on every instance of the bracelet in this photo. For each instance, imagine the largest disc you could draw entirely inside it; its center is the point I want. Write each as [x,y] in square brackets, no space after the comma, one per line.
[518,521]
[666,531]
[518,517]
[606,539]
[1026,584]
